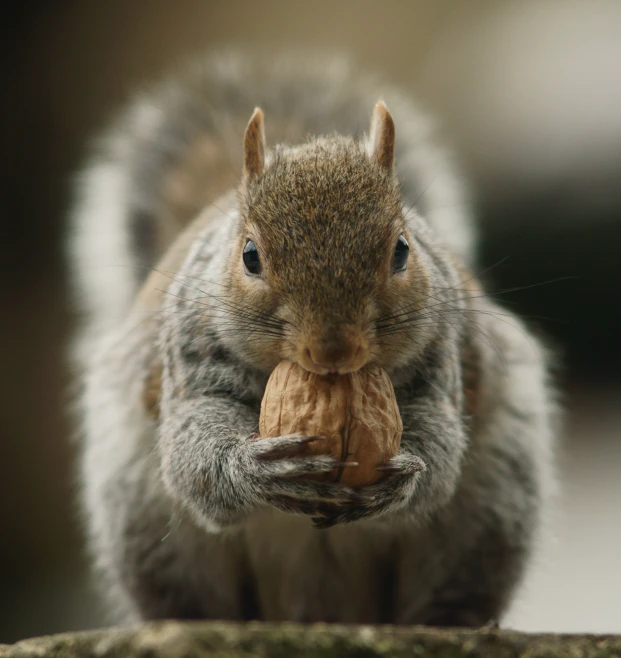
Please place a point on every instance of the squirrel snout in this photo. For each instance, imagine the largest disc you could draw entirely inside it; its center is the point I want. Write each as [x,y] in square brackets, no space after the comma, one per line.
[342,353]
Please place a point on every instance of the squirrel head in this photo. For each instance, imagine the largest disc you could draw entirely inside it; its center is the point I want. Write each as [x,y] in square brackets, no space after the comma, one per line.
[323,258]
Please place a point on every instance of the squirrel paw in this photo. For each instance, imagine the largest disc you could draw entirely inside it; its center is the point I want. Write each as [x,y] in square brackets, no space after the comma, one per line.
[377,499]
[276,464]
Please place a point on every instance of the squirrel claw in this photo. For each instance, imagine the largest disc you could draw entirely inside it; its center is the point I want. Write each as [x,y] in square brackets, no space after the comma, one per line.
[281,446]
[399,466]
[390,469]
[308,439]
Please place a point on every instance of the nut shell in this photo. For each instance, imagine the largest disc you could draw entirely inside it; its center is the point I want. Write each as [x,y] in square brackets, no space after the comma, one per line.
[356,412]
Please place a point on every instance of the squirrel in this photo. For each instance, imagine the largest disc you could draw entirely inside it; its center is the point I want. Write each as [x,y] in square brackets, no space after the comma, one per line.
[204,253]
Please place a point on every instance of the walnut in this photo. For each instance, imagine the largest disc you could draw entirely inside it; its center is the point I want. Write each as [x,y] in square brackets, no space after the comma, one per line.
[356,412]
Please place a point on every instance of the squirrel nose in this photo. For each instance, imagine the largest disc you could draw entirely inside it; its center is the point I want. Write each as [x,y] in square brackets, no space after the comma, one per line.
[341,354]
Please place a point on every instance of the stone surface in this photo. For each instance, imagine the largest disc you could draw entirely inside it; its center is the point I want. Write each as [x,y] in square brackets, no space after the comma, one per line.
[259,640]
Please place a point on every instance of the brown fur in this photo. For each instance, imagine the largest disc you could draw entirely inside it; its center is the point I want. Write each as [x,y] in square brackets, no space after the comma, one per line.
[383,136]
[150,295]
[471,376]
[149,299]
[206,172]
[153,389]
[254,145]
[470,289]
[290,212]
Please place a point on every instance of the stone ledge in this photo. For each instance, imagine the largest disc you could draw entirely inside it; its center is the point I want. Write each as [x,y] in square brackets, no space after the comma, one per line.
[258,640]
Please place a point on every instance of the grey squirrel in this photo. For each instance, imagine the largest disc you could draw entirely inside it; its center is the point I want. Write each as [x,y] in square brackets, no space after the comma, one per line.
[203,253]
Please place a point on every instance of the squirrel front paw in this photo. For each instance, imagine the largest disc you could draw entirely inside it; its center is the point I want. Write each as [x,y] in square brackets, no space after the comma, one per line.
[377,499]
[278,463]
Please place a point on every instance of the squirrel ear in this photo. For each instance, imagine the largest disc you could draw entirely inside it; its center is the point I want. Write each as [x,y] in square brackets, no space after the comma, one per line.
[382,138]
[254,145]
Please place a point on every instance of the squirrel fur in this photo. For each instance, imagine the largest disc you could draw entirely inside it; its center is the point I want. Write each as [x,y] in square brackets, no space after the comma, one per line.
[190,517]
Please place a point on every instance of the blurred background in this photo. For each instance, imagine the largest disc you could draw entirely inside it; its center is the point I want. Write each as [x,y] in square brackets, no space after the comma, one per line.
[529,95]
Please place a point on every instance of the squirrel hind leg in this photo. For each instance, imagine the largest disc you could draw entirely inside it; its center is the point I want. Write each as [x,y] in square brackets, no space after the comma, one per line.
[477,592]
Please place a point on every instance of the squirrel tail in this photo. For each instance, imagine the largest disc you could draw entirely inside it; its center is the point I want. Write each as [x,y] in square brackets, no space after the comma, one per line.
[147,178]
[106,262]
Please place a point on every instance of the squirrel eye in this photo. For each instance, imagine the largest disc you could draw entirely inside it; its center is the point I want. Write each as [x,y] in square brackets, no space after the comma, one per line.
[250,256]
[400,257]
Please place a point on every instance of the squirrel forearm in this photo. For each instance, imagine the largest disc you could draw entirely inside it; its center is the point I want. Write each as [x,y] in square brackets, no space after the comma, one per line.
[434,432]
[199,441]
[433,427]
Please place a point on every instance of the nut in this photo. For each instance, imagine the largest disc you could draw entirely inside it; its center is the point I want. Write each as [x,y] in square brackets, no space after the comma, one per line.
[356,412]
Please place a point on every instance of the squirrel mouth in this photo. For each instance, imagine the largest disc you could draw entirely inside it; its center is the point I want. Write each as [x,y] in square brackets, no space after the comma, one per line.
[333,353]
[331,370]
